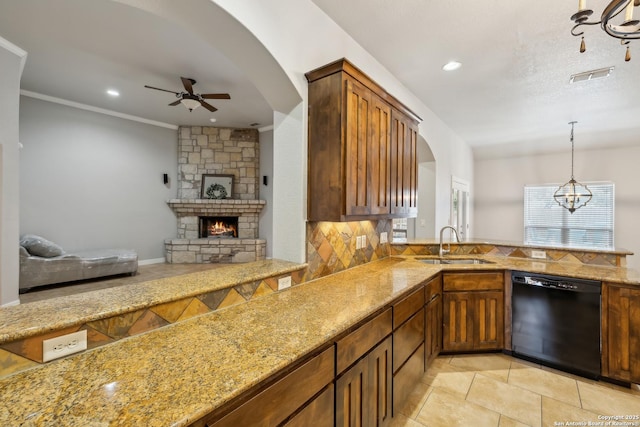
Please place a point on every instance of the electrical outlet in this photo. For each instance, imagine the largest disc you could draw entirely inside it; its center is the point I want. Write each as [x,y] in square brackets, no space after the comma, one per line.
[364,241]
[64,345]
[383,237]
[284,283]
[358,242]
[539,254]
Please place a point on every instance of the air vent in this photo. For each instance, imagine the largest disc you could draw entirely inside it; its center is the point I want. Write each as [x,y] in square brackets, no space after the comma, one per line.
[590,75]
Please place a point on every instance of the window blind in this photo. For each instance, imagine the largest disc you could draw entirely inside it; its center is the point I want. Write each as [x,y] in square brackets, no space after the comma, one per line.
[547,223]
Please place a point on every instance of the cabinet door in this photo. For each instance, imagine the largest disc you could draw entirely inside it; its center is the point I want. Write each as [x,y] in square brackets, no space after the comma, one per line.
[433,330]
[379,386]
[458,318]
[352,406]
[357,133]
[488,333]
[404,166]
[379,167]
[621,333]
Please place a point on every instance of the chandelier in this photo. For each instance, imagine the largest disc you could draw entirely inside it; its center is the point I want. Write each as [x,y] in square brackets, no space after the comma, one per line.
[572,195]
[626,30]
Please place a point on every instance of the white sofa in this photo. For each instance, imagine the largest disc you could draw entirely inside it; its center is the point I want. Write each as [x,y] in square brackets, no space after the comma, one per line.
[44,263]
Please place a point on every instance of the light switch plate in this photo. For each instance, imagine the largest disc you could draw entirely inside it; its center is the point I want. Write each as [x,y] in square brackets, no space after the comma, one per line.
[383,237]
[284,283]
[64,345]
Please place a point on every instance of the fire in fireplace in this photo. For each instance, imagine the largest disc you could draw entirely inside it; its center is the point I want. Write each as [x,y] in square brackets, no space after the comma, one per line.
[218,226]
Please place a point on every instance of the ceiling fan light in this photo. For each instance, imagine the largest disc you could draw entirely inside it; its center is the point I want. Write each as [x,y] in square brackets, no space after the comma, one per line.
[191,104]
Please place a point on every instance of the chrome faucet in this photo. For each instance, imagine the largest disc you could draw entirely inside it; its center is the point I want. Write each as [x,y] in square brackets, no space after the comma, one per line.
[441,252]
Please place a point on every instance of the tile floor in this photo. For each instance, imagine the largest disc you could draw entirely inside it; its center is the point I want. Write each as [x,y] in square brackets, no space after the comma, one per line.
[499,391]
[145,272]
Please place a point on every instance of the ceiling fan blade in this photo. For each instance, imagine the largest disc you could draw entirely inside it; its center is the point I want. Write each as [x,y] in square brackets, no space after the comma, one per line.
[188,84]
[164,90]
[208,106]
[173,104]
[215,96]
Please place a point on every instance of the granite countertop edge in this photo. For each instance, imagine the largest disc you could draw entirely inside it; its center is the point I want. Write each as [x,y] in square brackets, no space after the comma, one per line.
[40,317]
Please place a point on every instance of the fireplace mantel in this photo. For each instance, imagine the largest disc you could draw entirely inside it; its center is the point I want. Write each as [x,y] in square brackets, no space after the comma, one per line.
[212,207]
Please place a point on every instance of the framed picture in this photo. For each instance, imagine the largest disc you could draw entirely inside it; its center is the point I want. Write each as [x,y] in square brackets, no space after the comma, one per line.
[216,186]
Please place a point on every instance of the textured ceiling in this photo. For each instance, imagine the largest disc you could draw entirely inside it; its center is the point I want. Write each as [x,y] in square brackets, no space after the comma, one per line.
[512,94]
[78,49]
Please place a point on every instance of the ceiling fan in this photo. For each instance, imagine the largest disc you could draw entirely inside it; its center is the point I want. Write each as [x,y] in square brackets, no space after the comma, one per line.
[193,100]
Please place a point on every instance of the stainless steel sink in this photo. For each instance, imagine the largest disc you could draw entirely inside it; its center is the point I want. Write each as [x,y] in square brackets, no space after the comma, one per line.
[454,261]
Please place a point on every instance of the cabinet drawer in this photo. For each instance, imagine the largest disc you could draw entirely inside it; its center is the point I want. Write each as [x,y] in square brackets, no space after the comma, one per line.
[359,342]
[406,379]
[478,281]
[319,413]
[432,288]
[407,307]
[274,404]
[407,338]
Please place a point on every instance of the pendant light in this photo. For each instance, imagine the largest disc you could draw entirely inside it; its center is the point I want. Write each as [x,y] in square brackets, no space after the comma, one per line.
[625,30]
[572,195]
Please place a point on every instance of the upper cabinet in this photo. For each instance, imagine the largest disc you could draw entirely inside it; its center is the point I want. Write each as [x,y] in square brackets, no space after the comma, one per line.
[362,148]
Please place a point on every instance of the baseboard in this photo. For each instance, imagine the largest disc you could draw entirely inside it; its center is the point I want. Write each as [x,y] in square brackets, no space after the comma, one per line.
[11,303]
[152,261]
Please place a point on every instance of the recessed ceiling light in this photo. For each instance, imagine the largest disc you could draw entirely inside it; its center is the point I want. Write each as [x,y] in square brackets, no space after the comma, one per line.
[451,65]
[112,92]
[213,120]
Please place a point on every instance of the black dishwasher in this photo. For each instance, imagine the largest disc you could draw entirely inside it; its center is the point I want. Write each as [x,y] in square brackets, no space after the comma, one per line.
[556,322]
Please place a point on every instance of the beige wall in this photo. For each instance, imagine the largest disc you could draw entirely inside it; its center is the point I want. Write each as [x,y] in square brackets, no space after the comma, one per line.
[12,60]
[499,184]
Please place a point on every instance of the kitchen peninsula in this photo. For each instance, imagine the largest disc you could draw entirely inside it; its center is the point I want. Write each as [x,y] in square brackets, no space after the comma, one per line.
[201,368]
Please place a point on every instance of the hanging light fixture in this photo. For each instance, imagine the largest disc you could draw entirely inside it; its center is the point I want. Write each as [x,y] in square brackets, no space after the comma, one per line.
[572,195]
[627,30]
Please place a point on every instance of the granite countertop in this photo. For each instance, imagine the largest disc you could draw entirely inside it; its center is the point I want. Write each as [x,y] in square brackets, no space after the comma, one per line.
[39,317]
[601,273]
[174,375]
[616,251]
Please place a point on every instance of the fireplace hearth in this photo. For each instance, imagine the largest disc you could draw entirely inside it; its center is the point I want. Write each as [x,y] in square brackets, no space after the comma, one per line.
[212,227]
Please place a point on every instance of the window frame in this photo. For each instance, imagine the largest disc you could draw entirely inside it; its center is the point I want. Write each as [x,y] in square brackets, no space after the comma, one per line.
[567,230]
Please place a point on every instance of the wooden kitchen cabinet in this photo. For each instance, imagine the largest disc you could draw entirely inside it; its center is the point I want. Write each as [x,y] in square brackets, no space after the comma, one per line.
[356,170]
[408,345]
[363,392]
[433,320]
[621,333]
[363,389]
[277,402]
[473,311]
[404,166]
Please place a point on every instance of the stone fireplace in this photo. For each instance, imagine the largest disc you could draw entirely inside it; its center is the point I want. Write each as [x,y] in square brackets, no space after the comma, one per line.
[202,238]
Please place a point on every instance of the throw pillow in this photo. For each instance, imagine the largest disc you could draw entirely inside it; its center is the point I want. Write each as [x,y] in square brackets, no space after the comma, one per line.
[39,246]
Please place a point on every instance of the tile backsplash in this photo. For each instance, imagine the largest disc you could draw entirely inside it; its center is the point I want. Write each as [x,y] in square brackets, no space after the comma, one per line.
[331,246]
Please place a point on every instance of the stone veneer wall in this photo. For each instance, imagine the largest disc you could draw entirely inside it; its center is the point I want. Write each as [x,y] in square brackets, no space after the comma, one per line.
[331,246]
[226,151]
[205,251]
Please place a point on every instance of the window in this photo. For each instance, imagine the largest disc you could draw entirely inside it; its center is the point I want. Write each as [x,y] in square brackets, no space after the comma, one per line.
[400,228]
[547,223]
